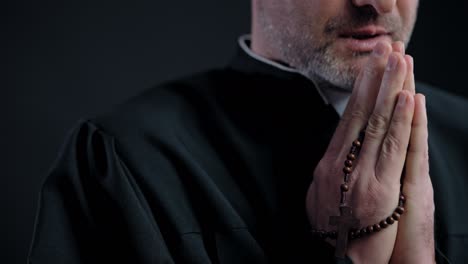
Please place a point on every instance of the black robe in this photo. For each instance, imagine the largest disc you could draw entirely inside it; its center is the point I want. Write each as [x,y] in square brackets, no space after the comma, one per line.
[214,168]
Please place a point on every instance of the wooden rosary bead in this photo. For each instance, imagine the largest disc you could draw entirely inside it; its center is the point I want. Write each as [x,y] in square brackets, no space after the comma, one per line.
[322,233]
[402,198]
[357,233]
[347,170]
[348,163]
[377,228]
[396,216]
[390,220]
[357,143]
[370,229]
[363,231]
[400,210]
[344,187]
[351,156]
[383,224]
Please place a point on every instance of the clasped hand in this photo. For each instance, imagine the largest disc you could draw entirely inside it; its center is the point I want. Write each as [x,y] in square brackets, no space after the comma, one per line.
[384,101]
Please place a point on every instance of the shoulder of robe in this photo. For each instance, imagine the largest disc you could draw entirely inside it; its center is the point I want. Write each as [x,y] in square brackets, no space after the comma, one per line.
[444,108]
[166,109]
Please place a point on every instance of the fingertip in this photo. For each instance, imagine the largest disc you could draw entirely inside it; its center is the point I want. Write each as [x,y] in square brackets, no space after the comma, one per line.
[409,81]
[382,48]
[410,95]
[396,61]
[421,98]
[407,97]
[409,62]
[387,46]
[403,93]
[392,61]
[398,46]
[420,108]
[401,57]
[422,101]
[402,97]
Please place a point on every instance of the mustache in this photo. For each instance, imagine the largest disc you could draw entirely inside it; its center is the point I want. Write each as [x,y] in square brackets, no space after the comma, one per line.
[336,25]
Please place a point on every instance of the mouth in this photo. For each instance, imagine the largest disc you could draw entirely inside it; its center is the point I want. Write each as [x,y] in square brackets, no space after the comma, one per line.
[364,39]
[364,32]
[362,36]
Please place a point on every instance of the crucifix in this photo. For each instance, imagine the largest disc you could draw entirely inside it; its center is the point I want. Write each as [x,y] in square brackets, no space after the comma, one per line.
[345,222]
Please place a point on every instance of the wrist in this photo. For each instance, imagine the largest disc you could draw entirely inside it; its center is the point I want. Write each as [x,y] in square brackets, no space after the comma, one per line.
[376,248]
[414,255]
[423,259]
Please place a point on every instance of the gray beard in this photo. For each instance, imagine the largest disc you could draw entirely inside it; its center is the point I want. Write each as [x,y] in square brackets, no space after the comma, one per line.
[314,58]
[313,61]
[318,64]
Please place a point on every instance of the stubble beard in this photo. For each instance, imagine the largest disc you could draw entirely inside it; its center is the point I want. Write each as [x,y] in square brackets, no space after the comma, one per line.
[315,58]
[320,63]
[311,57]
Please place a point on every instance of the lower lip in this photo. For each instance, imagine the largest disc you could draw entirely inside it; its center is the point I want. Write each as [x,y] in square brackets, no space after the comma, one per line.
[364,45]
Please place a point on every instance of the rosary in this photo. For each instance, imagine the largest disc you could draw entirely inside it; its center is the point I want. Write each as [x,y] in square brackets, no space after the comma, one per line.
[347,225]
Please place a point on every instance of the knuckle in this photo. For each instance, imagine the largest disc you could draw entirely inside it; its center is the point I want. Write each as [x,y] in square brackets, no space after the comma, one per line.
[402,118]
[392,145]
[376,126]
[356,116]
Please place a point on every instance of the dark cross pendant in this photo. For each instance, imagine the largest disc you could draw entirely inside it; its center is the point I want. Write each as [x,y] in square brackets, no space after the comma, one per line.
[345,222]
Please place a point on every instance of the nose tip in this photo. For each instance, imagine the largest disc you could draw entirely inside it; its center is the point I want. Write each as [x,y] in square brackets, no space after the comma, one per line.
[380,6]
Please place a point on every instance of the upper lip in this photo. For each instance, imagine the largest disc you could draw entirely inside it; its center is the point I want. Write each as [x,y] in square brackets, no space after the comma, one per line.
[369,31]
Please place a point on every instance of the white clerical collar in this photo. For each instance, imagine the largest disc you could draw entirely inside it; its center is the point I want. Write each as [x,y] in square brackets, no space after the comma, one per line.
[337,98]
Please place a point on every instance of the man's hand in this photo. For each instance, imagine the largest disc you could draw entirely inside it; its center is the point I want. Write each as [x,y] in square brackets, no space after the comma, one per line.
[375,180]
[415,238]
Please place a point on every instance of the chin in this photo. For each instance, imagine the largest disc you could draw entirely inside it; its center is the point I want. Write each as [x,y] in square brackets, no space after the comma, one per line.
[343,72]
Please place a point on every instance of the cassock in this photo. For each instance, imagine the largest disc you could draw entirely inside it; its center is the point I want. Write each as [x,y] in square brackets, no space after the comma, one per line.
[214,168]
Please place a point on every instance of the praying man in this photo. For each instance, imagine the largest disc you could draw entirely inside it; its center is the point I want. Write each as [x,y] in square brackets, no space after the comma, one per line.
[313,145]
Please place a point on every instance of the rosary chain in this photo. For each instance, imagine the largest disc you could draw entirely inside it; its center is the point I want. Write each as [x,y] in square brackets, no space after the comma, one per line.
[344,188]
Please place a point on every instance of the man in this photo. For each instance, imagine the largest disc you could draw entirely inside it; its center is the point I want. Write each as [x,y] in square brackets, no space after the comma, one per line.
[244,164]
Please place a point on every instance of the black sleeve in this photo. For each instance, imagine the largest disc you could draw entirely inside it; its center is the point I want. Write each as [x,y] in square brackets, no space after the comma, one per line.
[89,212]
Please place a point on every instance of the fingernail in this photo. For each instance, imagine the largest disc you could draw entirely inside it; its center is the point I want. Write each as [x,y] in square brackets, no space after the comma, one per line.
[392,62]
[402,99]
[379,49]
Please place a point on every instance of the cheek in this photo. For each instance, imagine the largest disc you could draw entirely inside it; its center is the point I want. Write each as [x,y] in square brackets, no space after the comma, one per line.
[311,16]
[408,10]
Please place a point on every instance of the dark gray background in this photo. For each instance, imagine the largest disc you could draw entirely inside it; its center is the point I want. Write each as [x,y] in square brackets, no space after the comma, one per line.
[64,60]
